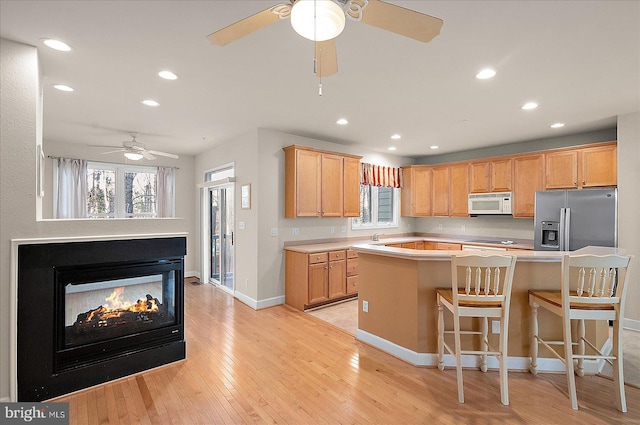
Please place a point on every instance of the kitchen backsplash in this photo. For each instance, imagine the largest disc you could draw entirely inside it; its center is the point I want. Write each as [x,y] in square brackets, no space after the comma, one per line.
[487,226]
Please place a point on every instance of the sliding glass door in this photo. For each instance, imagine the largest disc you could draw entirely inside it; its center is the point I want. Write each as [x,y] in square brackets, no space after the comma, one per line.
[221,219]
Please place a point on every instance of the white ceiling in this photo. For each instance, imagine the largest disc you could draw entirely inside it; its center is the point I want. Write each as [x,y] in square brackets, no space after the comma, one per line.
[580,60]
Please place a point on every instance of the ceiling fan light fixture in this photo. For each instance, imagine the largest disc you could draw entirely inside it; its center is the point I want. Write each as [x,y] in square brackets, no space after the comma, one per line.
[134,156]
[326,23]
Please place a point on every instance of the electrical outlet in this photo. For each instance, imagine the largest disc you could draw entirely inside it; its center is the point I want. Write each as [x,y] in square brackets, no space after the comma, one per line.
[464,227]
[332,229]
[246,283]
[365,306]
[439,226]
[495,326]
[343,229]
[274,231]
[295,231]
[241,225]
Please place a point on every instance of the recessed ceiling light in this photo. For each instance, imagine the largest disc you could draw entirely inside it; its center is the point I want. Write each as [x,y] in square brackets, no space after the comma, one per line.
[396,137]
[168,75]
[529,105]
[150,102]
[434,147]
[485,74]
[392,148]
[557,125]
[56,44]
[62,87]
[342,121]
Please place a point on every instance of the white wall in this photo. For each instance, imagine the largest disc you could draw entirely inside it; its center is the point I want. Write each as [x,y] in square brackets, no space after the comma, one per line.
[20,125]
[629,205]
[505,227]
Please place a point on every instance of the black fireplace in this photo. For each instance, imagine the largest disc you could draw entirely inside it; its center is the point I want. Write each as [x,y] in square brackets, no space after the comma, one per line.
[90,312]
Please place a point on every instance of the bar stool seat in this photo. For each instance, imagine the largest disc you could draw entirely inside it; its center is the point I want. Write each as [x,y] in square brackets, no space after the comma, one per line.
[600,289]
[486,282]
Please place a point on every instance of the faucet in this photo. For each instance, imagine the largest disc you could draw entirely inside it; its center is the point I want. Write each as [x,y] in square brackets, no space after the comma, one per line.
[375,237]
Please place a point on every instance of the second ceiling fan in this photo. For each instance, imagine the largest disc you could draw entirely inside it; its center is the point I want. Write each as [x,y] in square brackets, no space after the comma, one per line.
[310,18]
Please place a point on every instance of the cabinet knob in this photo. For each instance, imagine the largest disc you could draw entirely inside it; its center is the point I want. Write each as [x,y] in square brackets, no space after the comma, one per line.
[575,183]
[330,267]
[584,182]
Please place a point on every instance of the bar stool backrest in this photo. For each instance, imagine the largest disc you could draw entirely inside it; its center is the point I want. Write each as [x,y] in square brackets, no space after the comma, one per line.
[487,278]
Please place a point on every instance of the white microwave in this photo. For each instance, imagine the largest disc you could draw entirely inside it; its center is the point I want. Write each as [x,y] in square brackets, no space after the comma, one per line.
[490,203]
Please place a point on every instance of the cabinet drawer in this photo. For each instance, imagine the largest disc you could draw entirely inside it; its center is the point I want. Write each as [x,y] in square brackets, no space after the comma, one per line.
[352,253]
[449,246]
[352,266]
[337,255]
[320,257]
[352,284]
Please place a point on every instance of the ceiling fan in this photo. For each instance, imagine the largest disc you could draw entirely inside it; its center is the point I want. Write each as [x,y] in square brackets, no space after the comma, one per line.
[310,19]
[135,151]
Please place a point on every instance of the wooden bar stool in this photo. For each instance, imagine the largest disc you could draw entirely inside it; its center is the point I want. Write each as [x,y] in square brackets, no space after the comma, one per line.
[486,294]
[596,296]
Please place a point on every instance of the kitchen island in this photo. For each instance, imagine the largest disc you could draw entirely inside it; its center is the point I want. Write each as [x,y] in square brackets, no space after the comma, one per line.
[397,286]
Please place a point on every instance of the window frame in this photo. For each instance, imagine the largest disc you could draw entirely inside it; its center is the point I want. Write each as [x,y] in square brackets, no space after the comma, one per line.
[375,224]
[120,202]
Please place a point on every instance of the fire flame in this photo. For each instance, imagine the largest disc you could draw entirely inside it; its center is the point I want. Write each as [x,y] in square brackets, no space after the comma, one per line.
[116,305]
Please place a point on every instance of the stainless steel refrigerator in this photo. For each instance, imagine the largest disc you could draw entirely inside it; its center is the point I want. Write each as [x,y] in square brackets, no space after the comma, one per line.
[566,220]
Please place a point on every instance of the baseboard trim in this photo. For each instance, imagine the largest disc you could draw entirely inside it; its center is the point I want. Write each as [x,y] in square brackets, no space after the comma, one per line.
[591,367]
[259,305]
[631,324]
[192,274]
[5,399]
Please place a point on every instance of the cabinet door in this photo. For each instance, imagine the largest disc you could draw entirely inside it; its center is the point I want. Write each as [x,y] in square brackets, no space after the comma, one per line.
[351,187]
[561,170]
[307,183]
[599,166]
[416,192]
[501,175]
[410,245]
[440,198]
[332,186]
[318,283]
[459,190]
[337,279]
[527,179]
[479,177]
[352,284]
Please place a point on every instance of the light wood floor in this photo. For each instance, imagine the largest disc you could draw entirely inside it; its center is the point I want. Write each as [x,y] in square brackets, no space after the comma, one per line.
[282,366]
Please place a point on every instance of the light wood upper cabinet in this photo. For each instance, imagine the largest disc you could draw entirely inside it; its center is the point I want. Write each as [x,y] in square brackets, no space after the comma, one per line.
[561,170]
[331,178]
[416,191]
[459,190]
[490,176]
[440,191]
[351,168]
[320,183]
[599,166]
[501,171]
[528,171]
[580,168]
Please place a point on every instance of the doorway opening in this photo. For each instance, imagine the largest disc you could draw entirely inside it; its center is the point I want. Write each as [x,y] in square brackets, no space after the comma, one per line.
[218,229]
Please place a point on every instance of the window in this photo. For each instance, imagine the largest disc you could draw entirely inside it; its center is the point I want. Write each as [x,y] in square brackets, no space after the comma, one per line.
[118,191]
[378,207]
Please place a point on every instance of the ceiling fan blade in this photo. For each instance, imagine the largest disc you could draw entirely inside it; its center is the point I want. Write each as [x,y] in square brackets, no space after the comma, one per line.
[147,155]
[117,150]
[169,155]
[402,21]
[326,58]
[246,26]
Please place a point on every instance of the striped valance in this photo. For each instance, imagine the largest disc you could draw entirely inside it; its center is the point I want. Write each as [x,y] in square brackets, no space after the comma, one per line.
[379,175]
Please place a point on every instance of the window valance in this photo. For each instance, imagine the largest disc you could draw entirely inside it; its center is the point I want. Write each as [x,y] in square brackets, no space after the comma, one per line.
[379,175]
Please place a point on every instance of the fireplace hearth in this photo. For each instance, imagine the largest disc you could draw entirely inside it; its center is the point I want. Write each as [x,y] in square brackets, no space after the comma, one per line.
[102,309]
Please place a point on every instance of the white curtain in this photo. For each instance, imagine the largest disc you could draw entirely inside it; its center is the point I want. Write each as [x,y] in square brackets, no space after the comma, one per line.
[72,188]
[166,191]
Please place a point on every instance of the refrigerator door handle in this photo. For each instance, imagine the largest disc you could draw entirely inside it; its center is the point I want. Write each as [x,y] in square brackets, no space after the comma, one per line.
[567,228]
[562,230]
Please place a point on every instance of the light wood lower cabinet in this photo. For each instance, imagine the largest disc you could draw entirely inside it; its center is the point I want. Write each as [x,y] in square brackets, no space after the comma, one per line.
[449,246]
[315,279]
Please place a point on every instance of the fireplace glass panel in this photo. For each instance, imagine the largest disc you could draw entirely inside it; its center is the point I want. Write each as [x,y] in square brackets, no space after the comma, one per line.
[98,311]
